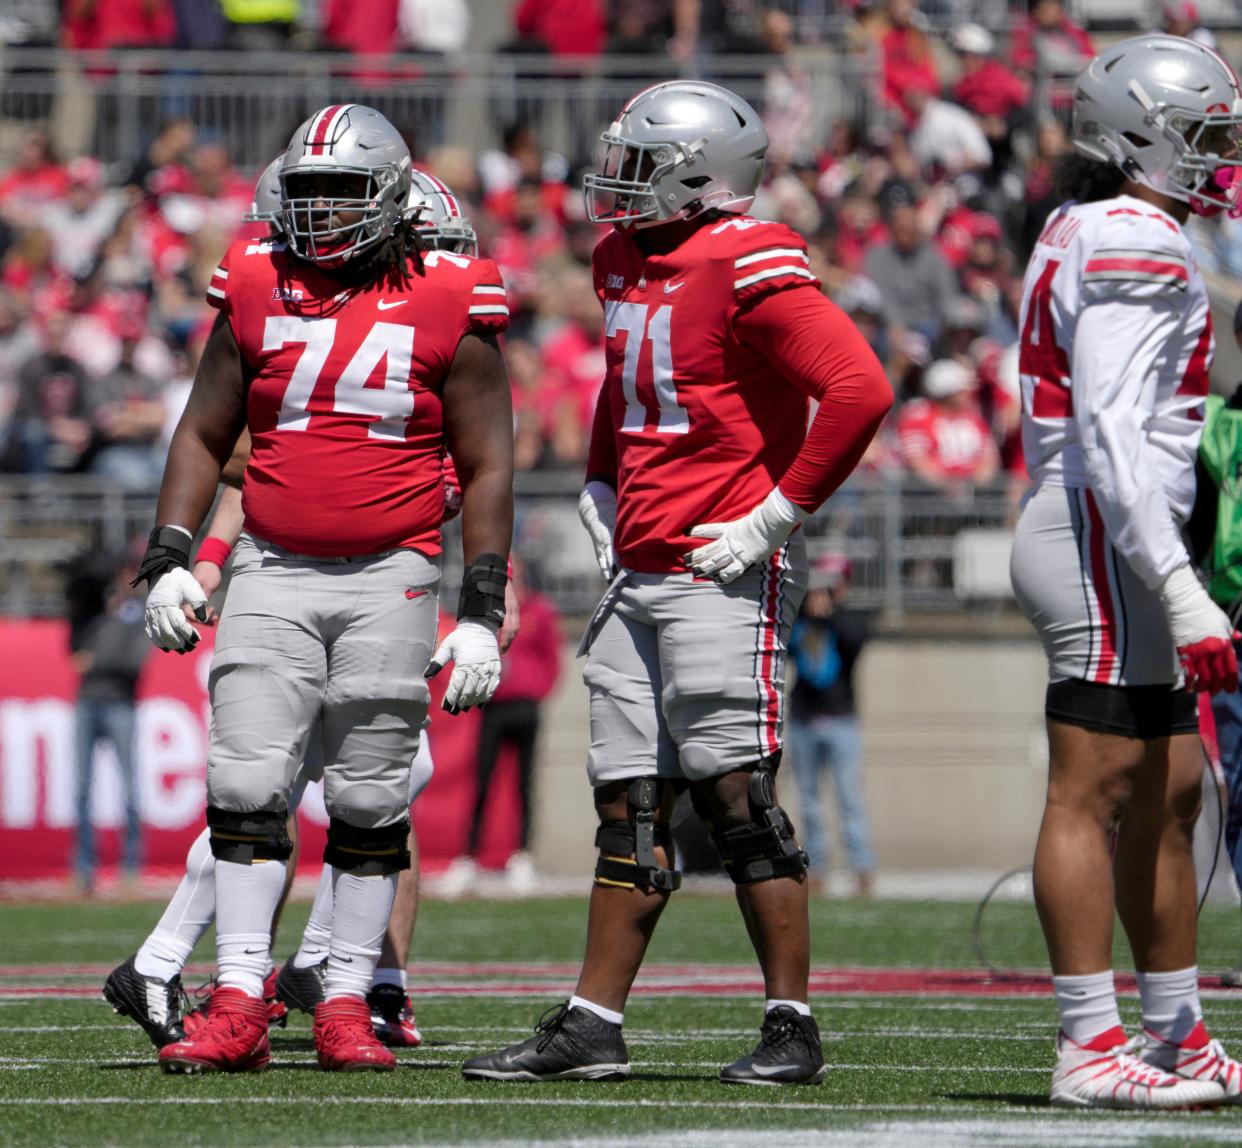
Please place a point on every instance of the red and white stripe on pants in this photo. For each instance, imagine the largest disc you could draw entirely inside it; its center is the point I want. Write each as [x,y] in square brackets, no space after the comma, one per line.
[770,652]
[1102,591]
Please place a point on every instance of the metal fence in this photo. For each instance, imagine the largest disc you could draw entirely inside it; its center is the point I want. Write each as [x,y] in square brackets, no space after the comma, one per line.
[912,549]
[111,104]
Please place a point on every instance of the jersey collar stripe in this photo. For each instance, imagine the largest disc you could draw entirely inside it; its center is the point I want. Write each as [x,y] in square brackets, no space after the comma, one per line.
[488,289]
[771,273]
[321,129]
[772,253]
[219,273]
[499,309]
[216,292]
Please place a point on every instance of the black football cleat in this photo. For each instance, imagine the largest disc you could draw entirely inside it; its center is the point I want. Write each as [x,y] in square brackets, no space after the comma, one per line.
[392,1017]
[789,1052]
[301,988]
[152,1003]
[569,1044]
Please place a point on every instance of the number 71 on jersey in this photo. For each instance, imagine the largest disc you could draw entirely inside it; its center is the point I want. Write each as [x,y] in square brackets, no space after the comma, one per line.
[656,324]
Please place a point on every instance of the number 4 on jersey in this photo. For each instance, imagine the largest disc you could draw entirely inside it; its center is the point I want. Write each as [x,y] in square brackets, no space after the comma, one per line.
[632,319]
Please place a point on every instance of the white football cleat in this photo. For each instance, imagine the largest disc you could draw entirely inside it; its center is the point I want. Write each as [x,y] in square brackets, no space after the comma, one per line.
[1198,1057]
[1108,1073]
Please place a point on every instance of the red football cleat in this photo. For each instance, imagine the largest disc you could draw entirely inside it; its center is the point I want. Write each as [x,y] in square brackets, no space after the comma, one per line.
[345,1040]
[194,1020]
[233,1038]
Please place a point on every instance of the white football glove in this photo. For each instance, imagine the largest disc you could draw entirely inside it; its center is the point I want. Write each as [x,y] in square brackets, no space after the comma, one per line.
[597,507]
[1202,633]
[475,655]
[166,622]
[742,543]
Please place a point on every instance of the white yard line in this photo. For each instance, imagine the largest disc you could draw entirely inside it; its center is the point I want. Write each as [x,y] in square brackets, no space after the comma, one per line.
[430,1062]
[476,1102]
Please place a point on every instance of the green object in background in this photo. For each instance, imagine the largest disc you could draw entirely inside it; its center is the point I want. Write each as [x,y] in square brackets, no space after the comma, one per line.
[1221,454]
[261,11]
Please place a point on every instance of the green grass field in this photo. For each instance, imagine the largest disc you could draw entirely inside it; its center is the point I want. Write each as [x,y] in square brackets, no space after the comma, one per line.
[931,1069]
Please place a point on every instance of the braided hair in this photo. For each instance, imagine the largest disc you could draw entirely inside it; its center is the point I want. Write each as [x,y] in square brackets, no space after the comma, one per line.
[1085,180]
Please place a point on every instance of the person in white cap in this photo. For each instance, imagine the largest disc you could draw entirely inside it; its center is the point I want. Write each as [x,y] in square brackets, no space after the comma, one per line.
[943,438]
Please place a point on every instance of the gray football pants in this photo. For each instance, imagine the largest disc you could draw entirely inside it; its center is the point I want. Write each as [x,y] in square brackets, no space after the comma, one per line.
[333,645]
[687,678]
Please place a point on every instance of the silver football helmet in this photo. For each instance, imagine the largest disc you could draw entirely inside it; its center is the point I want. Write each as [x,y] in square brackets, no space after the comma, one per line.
[435,213]
[344,181]
[676,149]
[266,206]
[1168,112]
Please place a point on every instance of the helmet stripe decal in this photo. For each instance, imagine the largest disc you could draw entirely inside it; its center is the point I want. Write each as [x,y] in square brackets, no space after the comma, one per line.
[450,200]
[321,130]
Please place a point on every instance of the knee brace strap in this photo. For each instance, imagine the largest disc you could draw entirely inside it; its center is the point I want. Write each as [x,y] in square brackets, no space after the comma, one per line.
[247,837]
[627,848]
[767,848]
[368,852]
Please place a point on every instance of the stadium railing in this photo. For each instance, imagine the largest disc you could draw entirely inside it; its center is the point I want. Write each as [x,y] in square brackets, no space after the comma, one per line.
[111,103]
[912,549]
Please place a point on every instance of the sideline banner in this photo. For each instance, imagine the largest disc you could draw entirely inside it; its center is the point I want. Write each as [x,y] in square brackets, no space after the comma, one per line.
[38,773]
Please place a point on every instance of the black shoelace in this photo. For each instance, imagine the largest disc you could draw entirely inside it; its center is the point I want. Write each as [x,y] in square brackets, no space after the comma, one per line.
[782,1032]
[550,1024]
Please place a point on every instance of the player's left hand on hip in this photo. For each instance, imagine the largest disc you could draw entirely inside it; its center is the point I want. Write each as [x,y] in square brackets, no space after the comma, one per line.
[475,655]
[166,623]
[742,543]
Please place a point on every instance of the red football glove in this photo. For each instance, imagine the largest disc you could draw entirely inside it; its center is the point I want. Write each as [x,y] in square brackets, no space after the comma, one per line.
[1210,665]
[1202,633]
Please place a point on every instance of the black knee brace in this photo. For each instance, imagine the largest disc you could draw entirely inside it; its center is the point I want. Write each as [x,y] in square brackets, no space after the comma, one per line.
[767,848]
[368,852]
[246,837]
[636,838]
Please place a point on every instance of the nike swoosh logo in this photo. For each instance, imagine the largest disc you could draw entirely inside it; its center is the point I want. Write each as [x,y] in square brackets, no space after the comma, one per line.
[669,288]
[411,593]
[252,952]
[763,1070]
[389,306]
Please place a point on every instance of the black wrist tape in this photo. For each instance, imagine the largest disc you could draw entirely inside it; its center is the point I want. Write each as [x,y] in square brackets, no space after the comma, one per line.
[167,547]
[483,589]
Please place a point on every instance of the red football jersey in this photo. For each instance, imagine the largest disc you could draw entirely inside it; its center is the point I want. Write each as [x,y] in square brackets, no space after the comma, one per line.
[344,403]
[692,425]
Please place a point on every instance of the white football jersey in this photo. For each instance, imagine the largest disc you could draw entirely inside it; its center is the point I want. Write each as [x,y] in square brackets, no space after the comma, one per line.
[1114,360]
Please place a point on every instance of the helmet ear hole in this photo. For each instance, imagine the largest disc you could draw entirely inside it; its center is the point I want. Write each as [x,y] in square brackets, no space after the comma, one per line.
[696,181]
[1136,139]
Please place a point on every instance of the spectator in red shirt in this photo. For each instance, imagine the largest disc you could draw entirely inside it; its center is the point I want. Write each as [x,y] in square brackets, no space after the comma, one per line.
[35,178]
[943,438]
[530,668]
[908,63]
[859,227]
[986,87]
[1049,40]
[565,27]
[364,26]
[98,24]
[574,358]
[527,239]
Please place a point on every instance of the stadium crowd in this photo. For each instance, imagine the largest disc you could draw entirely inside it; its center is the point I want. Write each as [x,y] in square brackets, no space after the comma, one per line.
[919,220]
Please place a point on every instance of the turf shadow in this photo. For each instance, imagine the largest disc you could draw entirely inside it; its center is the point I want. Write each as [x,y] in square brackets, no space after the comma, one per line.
[1012,1099]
